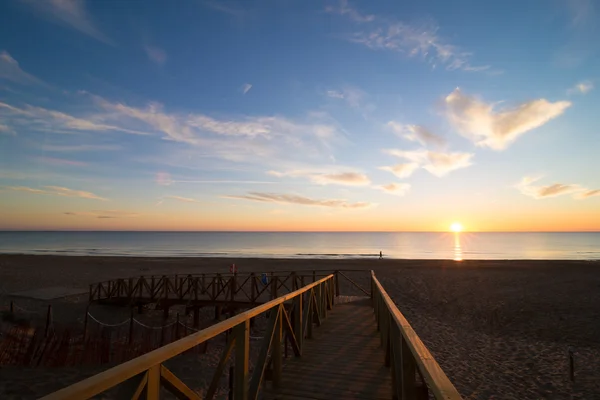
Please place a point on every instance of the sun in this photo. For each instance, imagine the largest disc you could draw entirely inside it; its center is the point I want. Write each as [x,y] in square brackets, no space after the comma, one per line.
[456,227]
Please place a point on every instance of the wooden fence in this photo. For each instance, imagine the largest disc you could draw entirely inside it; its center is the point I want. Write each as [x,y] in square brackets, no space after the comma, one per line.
[210,289]
[144,375]
[406,354]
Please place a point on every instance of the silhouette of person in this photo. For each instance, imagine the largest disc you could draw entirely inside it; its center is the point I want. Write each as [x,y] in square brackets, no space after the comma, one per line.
[380,255]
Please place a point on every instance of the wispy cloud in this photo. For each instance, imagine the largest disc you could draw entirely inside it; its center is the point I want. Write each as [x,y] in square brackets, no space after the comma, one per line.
[353,96]
[581,11]
[481,123]
[300,200]
[402,170]
[42,119]
[398,189]
[414,40]
[237,139]
[57,191]
[61,161]
[227,7]
[71,13]
[588,193]
[417,133]
[80,148]
[528,188]
[435,162]
[342,8]
[103,214]
[581,88]
[156,54]
[246,88]
[10,70]
[182,199]
[7,130]
[327,178]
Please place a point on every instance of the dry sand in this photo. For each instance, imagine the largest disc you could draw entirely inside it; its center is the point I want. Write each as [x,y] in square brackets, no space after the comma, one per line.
[499,329]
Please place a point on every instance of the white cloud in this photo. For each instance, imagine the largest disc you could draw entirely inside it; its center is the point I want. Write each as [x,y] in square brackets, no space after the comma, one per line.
[70,13]
[344,9]
[156,54]
[402,170]
[581,88]
[398,189]
[10,70]
[246,88]
[327,178]
[416,133]
[436,163]
[480,123]
[57,191]
[527,187]
[295,199]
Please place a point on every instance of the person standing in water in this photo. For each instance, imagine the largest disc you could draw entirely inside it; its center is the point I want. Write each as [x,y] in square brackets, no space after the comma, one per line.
[380,255]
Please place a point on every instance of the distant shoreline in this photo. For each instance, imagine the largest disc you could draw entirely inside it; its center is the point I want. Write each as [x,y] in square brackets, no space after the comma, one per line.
[320,257]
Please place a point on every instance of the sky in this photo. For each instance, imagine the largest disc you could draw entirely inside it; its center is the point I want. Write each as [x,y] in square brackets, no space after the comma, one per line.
[300,115]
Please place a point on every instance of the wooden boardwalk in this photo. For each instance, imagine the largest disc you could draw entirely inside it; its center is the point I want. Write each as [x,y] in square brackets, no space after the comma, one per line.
[361,349]
[344,360]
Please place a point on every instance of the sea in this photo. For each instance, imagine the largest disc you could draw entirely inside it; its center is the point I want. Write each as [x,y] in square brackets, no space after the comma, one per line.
[336,245]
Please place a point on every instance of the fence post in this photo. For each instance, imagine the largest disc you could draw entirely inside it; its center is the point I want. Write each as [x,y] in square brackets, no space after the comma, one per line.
[276,348]
[12,308]
[242,353]
[231,384]
[177,328]
[85,323]
[298,321]
[48,320]
[337,283]
[131,328]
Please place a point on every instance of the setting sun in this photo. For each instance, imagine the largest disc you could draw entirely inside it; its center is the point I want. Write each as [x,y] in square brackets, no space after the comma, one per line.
[456,227]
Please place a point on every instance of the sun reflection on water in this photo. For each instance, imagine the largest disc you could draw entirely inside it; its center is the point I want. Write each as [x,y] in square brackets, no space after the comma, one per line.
[457,247]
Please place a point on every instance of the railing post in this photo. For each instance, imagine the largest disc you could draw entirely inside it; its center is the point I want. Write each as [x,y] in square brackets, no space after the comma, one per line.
[337,283]
[242,353]
[276,349]
[310,316]
[298,321]
[408,373]
[153,385]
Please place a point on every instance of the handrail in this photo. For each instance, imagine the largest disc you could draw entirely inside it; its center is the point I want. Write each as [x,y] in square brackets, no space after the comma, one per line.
[397,335]
[151,363]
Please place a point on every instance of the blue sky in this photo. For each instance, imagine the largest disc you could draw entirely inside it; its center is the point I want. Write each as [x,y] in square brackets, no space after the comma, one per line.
[299,115]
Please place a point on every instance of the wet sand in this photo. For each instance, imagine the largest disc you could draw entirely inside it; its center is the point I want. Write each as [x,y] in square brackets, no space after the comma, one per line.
[499,329]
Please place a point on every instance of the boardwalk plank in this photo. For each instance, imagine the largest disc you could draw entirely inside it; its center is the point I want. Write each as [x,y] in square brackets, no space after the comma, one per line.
[343,361]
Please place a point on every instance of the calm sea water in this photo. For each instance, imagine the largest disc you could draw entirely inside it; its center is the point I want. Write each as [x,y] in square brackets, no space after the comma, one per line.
[582,246]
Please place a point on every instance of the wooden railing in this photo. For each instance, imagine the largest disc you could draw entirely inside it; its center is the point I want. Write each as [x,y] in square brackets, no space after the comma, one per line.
[145,374]
[406,354]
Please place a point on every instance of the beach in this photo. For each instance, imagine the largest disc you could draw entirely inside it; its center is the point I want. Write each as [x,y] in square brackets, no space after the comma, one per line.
[499,329]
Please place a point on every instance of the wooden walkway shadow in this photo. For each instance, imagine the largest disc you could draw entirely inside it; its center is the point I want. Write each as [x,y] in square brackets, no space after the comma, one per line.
[344,360]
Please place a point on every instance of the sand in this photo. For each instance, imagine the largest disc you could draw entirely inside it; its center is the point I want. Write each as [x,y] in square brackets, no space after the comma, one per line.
[499,329]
